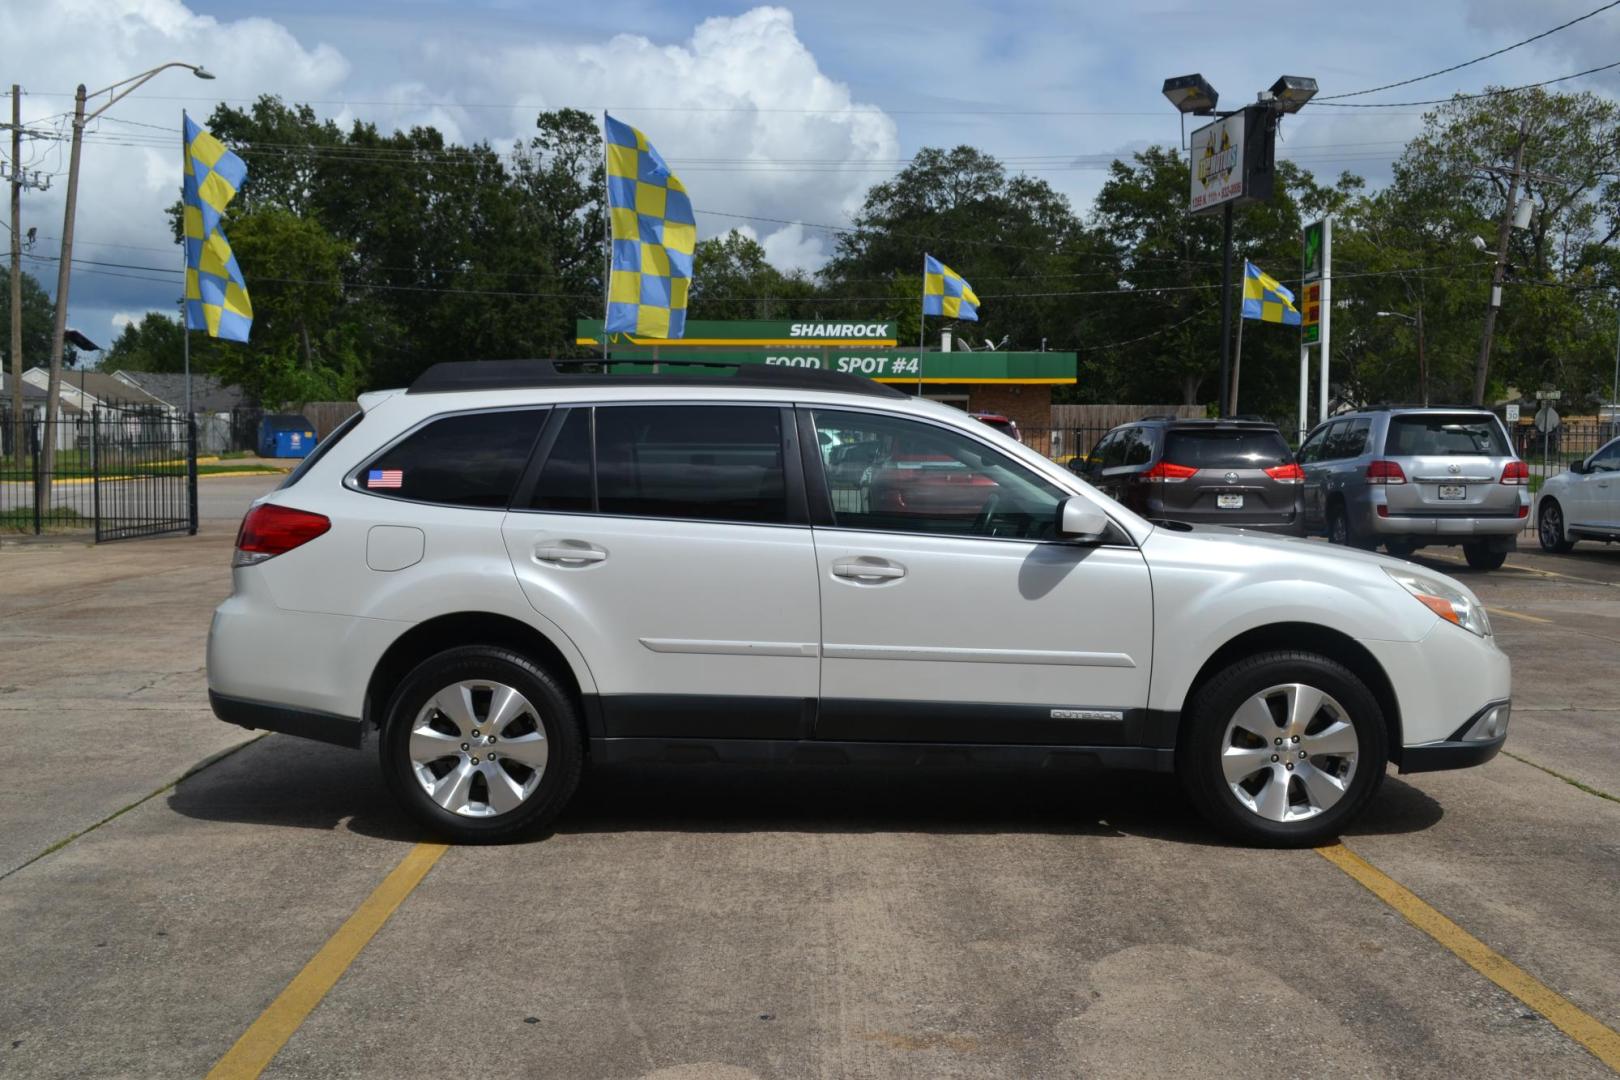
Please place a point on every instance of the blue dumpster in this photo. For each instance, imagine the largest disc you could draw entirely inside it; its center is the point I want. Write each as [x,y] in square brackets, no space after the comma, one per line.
[294,444]
[274,426]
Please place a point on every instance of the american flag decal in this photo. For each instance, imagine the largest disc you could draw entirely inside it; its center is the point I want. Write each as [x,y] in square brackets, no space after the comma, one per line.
[385,478]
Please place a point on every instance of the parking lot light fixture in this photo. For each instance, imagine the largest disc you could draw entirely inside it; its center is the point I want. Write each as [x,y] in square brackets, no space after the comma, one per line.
[1291,92]
[1191,94]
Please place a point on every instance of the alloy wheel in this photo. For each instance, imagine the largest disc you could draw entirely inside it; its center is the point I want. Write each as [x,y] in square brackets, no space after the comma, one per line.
[478,748]
[1551,526]
[1289,752]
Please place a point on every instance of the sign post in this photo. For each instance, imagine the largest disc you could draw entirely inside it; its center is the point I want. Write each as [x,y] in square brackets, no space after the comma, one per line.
[1316,314]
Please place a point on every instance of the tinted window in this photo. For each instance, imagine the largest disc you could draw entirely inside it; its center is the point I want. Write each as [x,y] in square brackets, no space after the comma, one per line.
[1311,449]
[565,479]
[468,460]
[1138,447]
[712,462]
[1453,434]
[1113,449]
[1252,449]
[1354,439]
[918,478]
[1330,441]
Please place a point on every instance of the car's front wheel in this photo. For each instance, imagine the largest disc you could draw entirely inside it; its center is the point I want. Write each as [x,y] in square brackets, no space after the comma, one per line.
[480,744]
[1283,749]
[1550,528]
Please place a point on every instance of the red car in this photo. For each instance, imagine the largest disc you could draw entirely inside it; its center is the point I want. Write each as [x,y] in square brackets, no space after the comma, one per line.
[1003,424]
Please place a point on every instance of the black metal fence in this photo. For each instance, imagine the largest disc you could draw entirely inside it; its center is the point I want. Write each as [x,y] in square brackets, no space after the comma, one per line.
[117,473]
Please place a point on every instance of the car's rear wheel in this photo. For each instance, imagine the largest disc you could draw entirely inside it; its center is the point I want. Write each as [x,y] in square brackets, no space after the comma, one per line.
[1283,749]
[1340,530]
[1400,548]
[1550,528]
[1484,557]
[481,744]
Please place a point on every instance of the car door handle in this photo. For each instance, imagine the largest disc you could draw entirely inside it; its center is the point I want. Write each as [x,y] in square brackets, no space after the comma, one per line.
[569,554]
[868,569]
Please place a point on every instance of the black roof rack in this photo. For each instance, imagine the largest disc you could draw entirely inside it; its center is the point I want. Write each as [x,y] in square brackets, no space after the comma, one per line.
[463,375]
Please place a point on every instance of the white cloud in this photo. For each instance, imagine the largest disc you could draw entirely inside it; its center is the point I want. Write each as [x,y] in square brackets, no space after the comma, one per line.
[791,248]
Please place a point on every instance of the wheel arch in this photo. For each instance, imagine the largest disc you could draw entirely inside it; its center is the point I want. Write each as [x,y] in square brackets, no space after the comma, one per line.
[467,628]
[1296,636]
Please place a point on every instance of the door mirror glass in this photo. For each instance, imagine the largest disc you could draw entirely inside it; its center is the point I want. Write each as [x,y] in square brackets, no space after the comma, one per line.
[1079,519]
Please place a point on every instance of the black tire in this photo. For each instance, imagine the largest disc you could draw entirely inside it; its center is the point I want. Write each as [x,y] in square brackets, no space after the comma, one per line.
[552,707]
[1484,557]
[1199,750]
[1340,532]
[1400,549]
[1550,528]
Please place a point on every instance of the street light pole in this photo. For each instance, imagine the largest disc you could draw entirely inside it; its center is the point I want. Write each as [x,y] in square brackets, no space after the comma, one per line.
[116,93]
[1226,310]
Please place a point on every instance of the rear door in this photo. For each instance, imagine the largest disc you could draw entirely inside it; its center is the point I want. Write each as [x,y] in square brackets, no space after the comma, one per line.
[1232,485]
[1453,463]
[669,542]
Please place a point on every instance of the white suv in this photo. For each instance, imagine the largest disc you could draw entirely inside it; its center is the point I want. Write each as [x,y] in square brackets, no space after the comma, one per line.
[509,569]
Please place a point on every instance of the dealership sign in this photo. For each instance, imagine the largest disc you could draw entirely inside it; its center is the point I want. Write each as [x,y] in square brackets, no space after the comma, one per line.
[1217,163]
[883,365]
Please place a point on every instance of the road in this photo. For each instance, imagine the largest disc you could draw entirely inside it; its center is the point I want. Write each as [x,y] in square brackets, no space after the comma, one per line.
[715,923]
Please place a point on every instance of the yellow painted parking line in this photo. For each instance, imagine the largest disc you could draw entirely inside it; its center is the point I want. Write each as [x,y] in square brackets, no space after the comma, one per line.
[1601,1040]
[270,1032]
[1517,615]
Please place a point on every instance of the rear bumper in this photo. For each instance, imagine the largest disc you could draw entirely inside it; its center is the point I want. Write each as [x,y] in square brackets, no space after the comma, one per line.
[1456,529]
[304,723]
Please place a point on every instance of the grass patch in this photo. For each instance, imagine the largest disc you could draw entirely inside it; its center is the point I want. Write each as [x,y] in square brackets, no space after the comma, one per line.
[1571,781]
[20,519]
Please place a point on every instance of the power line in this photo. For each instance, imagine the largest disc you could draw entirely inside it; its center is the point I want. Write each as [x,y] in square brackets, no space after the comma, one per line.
[1475,60]
[1462,97]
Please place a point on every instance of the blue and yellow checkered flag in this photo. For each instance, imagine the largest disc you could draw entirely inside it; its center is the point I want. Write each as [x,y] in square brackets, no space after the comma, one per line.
[654,234]
[946,293]
[1264,297]
[216,295]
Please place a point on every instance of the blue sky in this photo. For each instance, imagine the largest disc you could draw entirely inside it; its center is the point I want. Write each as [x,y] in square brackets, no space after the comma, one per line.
[833,95]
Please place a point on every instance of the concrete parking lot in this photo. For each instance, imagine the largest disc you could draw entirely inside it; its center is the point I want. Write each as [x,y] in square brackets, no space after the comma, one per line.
[703,922]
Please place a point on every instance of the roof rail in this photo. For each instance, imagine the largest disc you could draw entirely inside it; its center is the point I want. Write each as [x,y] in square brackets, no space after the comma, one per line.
[1157,416]
[464,375]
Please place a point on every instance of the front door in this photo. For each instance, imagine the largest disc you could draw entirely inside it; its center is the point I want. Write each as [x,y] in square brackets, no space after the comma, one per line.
[951,610]
[676,561]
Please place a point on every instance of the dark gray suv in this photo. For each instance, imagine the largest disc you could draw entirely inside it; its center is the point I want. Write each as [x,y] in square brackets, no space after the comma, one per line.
[1236,472]
[1409,477]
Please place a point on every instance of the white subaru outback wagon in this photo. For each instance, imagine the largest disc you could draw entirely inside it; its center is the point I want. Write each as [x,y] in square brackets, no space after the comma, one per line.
[514,567]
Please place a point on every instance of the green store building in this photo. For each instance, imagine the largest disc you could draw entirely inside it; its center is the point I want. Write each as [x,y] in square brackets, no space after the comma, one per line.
[1016,384]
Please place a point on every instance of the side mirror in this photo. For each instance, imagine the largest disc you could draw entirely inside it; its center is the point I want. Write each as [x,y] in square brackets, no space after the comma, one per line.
[1079,519]
[1578,466]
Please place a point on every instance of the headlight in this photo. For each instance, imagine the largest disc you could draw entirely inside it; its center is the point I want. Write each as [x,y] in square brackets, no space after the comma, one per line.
[1446,601]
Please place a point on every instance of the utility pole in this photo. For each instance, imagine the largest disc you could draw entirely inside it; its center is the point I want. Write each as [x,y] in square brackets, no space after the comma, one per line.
[1503,233]
[1423,361]
[16,263]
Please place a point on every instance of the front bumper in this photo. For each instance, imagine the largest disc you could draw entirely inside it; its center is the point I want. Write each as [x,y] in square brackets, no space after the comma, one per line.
[1459,751]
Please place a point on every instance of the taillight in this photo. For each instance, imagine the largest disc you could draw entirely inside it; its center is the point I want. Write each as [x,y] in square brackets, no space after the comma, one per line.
[1167,473]
[1385,472]
[269,530]
[1515,472]
[1287,474]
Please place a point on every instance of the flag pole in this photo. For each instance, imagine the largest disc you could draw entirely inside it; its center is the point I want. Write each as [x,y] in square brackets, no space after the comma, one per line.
[922,324]
[1237,361]
[607,241]
[185,266]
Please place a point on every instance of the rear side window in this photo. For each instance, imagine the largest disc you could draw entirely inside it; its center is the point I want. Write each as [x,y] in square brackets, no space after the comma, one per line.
[708,462]
[472,459]
[1249,449]
[1348,440]
[1138,447]
[331,440]
[1449,434]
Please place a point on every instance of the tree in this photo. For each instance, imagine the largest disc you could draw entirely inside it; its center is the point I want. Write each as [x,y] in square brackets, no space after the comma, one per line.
[155,343]
[38,317]
[732,280]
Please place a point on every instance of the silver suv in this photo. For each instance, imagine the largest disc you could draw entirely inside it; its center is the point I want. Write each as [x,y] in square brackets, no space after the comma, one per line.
[1416,477]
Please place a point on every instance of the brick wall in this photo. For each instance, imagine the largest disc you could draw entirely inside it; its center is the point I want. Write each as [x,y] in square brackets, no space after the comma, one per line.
[1030,407]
